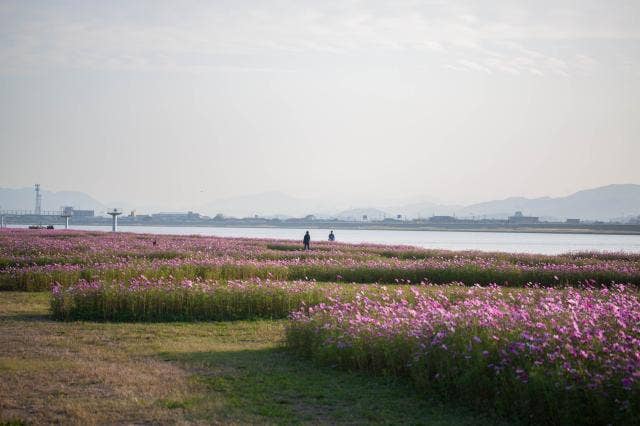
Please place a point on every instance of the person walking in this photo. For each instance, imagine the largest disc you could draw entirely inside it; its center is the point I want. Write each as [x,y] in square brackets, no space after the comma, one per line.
[331,236]
[306,241]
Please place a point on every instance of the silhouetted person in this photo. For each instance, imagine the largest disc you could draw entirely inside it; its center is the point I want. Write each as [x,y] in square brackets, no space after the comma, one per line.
[331,236]
[306,241]
[154,243]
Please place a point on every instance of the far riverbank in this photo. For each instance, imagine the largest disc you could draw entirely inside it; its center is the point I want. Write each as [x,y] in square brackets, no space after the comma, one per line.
[396,225]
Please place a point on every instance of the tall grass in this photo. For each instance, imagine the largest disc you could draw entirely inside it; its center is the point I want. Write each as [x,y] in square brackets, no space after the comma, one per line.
[42,278]
[142,299]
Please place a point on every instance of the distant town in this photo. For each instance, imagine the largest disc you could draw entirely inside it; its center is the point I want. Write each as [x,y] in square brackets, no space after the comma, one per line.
[517,222]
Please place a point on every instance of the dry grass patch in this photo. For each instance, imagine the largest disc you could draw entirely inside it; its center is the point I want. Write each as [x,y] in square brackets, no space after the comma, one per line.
[50,375]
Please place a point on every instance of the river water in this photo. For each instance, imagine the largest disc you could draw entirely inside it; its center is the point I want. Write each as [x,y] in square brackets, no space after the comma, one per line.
[451,240]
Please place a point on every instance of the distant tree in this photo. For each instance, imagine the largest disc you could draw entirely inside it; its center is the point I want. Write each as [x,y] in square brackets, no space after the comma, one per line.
[219,216]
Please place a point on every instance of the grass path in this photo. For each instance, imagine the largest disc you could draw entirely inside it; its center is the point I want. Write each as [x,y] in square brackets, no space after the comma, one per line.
[184,373]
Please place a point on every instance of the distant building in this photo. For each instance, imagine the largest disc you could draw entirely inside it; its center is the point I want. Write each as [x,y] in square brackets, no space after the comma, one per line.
[443,219]
[572,221]
[519,219]
[70,211]
[176,216]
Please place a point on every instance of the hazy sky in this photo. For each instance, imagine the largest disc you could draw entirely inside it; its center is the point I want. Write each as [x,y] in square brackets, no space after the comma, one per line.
[183,102]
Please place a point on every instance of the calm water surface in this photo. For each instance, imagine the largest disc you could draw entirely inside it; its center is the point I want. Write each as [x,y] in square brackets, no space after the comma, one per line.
[486,241]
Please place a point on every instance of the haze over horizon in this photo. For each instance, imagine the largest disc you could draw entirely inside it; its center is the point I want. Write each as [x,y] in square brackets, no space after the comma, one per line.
[354,202]
[361,102]
[611,202]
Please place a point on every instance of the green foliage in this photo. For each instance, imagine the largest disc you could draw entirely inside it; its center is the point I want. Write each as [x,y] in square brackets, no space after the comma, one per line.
[223,303]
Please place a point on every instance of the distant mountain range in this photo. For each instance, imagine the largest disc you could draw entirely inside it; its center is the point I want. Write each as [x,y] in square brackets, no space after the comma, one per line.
[603,203]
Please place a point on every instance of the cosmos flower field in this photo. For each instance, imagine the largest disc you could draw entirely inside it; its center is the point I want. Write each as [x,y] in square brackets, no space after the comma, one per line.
[33,261]
[547,339]
[558,356]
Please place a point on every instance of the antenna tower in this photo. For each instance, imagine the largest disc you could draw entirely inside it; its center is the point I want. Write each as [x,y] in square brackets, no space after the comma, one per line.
[38,209]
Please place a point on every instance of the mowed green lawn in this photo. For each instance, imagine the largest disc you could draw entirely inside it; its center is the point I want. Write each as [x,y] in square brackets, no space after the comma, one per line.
[178,373]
